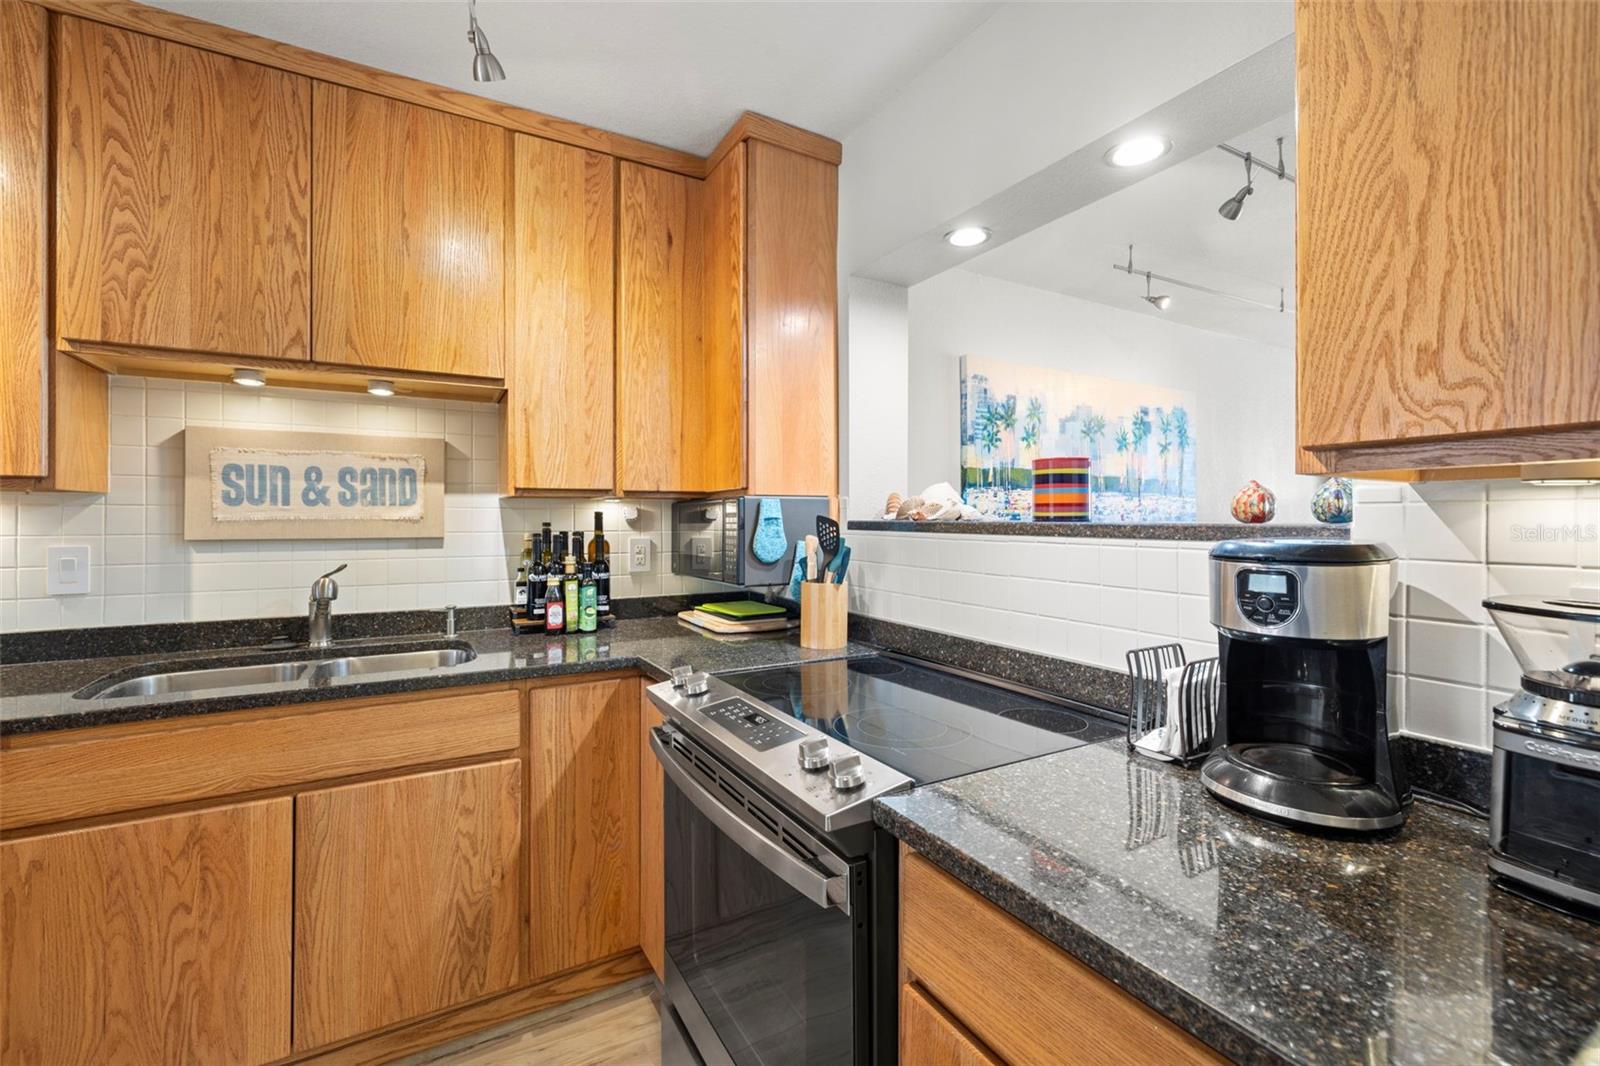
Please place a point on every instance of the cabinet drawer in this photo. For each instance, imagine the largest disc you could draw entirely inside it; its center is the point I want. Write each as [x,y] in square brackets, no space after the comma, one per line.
[88,773]
[1020,994]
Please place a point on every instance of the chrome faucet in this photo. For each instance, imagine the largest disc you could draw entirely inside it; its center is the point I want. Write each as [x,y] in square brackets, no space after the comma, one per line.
[324,590]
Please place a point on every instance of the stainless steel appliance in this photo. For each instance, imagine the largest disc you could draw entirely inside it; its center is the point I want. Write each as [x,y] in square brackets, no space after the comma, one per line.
[1303,730]
[1544,816]
[712,539]
[780,892]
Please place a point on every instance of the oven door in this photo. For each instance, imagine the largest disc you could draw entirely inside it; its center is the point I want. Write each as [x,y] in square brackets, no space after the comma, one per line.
[767,931]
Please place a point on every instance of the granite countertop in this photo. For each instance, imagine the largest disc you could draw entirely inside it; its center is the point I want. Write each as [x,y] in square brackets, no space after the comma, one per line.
[1197,531]
[37,697]
[1269,944]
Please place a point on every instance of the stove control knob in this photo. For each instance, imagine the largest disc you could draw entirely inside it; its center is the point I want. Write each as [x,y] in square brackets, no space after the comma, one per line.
[696,684]
[814,753]
[680,674]
[847,773]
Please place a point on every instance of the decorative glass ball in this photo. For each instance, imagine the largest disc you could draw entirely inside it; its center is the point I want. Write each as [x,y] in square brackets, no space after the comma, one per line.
[1334,503]
[1255,503]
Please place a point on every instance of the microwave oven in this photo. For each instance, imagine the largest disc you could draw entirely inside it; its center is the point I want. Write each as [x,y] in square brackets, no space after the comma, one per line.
[714,539]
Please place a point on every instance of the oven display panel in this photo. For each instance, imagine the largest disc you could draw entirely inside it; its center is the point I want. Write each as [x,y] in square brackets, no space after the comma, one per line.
[759,728]
[1268,597]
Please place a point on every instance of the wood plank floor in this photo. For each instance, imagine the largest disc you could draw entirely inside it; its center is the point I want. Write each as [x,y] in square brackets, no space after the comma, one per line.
[618,1027]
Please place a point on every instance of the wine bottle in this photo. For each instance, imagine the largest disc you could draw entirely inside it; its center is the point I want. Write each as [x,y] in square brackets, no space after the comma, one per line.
[602,579]
[519,589]
[537,580]
[598,546]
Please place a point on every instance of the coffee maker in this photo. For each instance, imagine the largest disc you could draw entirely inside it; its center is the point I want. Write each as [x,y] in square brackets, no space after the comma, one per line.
[1302,731]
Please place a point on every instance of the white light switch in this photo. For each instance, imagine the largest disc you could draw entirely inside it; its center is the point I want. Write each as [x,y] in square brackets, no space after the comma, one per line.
[66,570]
[639,555]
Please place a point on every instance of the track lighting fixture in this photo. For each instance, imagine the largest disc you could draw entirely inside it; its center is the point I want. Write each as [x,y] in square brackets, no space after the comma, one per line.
[1160,303]
[1234,204]
[485,67]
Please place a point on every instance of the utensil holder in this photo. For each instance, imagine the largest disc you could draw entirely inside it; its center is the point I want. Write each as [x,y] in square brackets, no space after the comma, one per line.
[1195,714]
[824,614]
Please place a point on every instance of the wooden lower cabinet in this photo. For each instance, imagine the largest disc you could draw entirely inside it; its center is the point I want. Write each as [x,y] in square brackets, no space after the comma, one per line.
[583,825]
[930,1037]
[407,898]
[652,901]
[1024,1000]
[163,940]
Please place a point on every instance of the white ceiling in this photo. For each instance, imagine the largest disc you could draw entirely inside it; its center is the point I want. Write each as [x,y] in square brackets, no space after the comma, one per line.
[1171,219]
[677,74]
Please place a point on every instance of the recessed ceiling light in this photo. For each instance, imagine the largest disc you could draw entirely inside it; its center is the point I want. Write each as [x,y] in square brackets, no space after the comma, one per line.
[967,236]
[380,387]
[250,379]
[1137,151]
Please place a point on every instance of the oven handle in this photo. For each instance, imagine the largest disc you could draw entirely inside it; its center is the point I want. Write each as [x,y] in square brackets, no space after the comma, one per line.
[819,888]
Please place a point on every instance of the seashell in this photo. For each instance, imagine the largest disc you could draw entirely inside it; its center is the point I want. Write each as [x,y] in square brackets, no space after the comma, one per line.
[909,508]
[892,507]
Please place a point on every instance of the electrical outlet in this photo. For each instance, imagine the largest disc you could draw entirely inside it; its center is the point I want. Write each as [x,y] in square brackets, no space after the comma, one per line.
[66,570]
[639,555]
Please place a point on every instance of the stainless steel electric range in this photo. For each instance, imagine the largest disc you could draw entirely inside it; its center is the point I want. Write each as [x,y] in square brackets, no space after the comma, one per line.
[780,893]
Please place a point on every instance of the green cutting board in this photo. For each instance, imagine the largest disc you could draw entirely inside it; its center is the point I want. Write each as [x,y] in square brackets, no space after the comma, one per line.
[741,609]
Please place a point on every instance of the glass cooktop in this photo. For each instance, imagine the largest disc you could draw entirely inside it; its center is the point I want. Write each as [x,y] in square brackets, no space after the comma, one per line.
[927,724]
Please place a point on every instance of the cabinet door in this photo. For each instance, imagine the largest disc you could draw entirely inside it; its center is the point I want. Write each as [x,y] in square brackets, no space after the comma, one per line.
[930,1037]
[24,211]
[584,823]
[660,250]
[164,940]
[792,323]
[652,901]
[559,359]
[183,196]
[408,236]
[407,898]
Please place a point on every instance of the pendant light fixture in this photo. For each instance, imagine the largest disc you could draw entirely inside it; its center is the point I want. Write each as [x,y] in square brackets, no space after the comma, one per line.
[1160,303]
[485,67]
[1234,204]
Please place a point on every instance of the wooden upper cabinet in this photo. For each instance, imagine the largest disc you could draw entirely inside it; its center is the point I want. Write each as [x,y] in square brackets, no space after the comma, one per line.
[792,322]
[560,351]
[720,454]
[24,212]
[408,236]
[165,940]
[1448,252]
[183,197]
[583,827]
[660,258]
[407,898]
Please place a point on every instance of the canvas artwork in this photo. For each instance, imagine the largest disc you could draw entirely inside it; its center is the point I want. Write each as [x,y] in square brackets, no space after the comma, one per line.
[1140,440]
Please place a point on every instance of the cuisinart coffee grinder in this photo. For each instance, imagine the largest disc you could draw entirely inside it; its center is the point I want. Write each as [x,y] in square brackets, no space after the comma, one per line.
[1303,725]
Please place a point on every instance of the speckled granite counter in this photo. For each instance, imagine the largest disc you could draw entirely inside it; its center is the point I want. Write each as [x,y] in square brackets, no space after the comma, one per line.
[1202,531]
[37,697]
[1269,944]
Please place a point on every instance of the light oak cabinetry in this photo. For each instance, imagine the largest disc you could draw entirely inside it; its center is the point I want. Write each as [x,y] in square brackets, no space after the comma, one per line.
[583,827]
[160,940]
[1448,235]
[408,236]
[1023,1000]
[407,898]
[560,349]
[792,322]
[183,197]
[652,872]
[24,215]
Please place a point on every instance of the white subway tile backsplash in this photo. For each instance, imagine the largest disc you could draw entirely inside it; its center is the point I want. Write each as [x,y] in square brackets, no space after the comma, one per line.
[1447,530]
[1445,651]
[1534,530]
[1158,569]
[1448,592]
[1455,714]
[1119,567]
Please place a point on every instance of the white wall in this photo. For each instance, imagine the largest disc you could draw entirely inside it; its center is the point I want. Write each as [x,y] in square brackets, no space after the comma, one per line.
[142,570]
[1243,413]
[875,465]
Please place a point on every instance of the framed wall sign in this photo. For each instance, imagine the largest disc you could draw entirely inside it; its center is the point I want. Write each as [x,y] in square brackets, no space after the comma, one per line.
[247,484]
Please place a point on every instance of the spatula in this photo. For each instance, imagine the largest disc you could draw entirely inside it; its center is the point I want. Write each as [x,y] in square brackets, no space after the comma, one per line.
[827,540]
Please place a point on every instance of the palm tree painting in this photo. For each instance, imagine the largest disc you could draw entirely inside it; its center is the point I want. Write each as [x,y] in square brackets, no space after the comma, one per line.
[1012,414]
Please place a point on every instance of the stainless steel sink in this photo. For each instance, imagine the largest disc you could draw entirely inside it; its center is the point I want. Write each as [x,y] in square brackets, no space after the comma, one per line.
[160,679]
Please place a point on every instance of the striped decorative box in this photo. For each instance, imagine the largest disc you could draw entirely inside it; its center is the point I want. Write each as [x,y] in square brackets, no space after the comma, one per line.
[1061,489]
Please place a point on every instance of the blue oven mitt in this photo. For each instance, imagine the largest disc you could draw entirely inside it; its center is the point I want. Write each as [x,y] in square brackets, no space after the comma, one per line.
[769,543]
[798,574]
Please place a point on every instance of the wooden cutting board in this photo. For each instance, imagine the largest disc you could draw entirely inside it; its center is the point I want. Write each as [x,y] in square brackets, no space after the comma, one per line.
[724,626]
